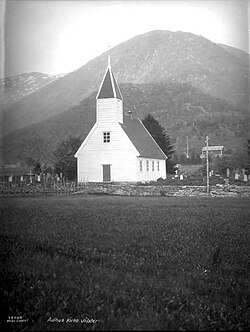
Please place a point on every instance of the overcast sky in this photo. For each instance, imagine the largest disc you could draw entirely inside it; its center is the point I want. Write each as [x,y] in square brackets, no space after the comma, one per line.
[60,36]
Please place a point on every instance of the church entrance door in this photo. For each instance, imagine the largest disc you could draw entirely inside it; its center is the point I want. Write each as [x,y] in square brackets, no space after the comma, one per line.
[106,173]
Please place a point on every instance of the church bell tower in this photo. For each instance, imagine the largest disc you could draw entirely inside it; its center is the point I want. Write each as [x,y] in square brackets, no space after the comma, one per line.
[109,103]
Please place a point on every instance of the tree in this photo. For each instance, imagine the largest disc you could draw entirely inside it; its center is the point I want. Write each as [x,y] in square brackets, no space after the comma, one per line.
[221,164]
[240,157]
[36,165]
[162,139]
[65,162]
[37,153]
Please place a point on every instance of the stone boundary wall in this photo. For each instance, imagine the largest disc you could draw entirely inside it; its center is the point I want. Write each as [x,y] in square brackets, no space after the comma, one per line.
[135,190]
[128,189]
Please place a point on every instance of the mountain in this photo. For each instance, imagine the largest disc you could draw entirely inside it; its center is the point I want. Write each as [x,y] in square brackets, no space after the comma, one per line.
[182,109]
[14,88]
[152,58]
[241,55]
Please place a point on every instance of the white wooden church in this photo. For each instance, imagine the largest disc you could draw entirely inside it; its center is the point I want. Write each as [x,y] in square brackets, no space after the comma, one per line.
[118,147]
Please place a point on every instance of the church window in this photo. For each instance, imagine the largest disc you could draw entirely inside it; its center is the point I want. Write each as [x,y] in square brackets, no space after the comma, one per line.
[153,166]
[140,165]
[158,166]
[106,137]
[147,165]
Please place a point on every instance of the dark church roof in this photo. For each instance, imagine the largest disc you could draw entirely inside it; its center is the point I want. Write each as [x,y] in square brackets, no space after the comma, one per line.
[142,140]
[109,87]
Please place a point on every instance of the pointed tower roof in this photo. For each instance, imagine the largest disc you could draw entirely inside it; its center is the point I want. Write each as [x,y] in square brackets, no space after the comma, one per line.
[109,87]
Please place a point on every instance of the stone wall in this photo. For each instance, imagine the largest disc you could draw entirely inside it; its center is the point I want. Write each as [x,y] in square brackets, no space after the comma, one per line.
[126,189]
[136,190]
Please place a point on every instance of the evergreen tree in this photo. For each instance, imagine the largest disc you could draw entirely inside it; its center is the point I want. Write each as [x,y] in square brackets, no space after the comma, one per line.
[65,162]
[162,139]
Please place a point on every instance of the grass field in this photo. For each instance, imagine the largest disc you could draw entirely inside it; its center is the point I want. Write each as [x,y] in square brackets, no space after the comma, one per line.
[105,262]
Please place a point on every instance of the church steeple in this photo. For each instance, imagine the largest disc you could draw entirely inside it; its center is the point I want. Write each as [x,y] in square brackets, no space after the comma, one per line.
[109,87]
[109,99]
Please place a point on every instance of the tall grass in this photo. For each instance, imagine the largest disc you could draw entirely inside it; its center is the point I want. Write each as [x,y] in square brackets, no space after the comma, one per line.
[106,262]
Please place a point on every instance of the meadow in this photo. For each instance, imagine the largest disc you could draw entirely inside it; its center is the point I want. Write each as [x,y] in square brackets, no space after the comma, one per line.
[94,262]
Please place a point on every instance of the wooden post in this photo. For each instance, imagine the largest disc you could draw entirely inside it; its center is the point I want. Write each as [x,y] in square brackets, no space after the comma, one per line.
[207,138]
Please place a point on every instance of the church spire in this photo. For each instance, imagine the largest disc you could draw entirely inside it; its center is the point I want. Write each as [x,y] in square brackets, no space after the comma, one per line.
[109,87]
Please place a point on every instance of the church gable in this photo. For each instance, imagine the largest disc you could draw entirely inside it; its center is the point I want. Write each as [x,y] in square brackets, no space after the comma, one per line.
[103,139]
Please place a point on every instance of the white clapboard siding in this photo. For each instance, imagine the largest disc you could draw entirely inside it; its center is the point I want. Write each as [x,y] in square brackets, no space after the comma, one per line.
[120,153]
[118,139]
[151,174]
[109,109]
[123,166]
